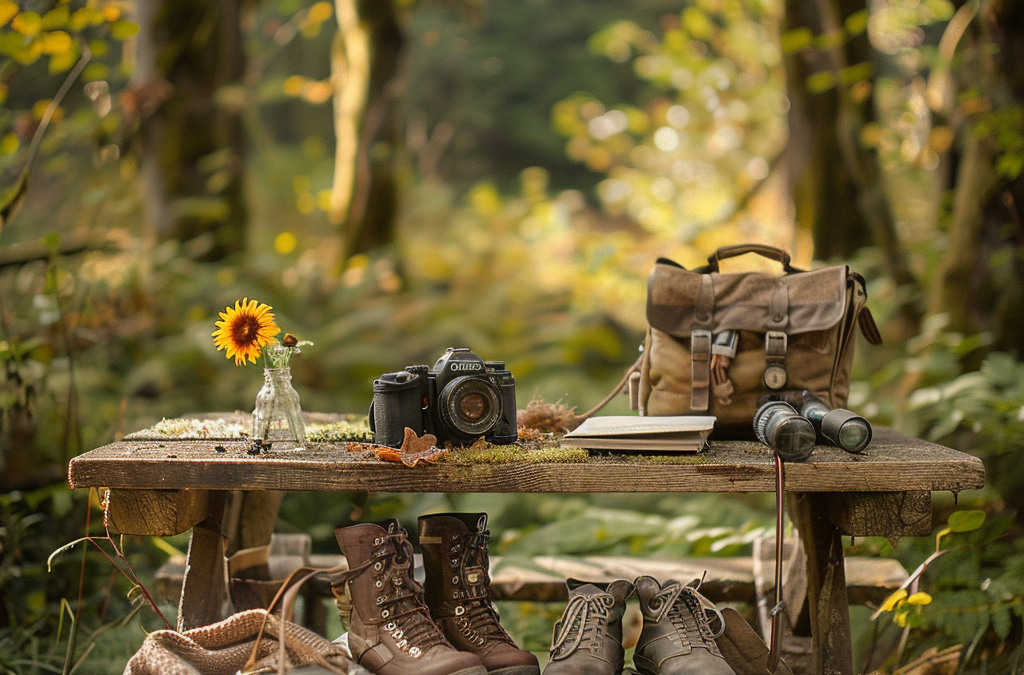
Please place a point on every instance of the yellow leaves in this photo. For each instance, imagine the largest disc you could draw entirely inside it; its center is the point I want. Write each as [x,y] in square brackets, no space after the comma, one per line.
[285,242]
[891,602]
[55,43]
[919,598]
[56,18]
[9,144]
[122,30]
[317,14]
[27,23]
[293,85]
[320,12]
[39,107]
[317,92]
[697,23]
[313,91]
[485,200]
[8,10]
[906,609]
[305,200]
[323,200]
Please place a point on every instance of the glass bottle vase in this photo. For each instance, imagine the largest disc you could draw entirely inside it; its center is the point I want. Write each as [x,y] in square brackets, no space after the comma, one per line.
[277,418]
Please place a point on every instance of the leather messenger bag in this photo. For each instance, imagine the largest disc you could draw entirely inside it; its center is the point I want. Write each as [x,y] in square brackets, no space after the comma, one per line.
[717,343]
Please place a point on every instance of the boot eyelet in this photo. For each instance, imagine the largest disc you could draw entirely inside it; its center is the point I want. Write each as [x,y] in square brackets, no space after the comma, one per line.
[390,626]
[398,634]
[384,613]
[379,583]
[414,652]
[381,599]
[376,542]
[378,566]
[455,537]
[454,562]
[401,643]
[460,610]
[455,580]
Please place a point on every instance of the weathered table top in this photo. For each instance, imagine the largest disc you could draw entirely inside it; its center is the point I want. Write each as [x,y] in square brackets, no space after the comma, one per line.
[893,462]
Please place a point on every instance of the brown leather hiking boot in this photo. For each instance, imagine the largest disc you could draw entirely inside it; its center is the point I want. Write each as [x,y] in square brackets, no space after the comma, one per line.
[677,638]
[587,640]
[457,591]
[389,630]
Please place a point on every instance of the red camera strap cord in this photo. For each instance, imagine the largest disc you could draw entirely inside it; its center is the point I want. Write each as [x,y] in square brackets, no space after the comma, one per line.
[775,648]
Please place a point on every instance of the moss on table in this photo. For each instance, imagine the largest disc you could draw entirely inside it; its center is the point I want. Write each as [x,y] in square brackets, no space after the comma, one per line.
[534,446]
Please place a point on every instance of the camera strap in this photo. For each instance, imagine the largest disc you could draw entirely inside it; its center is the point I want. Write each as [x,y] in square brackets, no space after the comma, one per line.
[775,642]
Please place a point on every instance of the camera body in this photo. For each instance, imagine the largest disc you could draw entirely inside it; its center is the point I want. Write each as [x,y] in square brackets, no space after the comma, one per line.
[460,399]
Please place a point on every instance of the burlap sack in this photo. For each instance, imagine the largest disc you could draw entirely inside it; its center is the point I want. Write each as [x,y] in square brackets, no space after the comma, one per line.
[235,645]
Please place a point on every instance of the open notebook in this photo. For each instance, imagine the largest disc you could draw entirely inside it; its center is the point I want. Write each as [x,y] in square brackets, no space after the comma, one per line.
[682,433]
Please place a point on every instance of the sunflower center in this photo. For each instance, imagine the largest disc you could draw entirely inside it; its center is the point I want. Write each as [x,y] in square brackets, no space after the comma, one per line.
[245,330]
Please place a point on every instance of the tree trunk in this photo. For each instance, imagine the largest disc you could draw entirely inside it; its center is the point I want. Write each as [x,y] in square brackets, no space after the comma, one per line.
[199,141]
[977,293]
[365,64]
[836,180]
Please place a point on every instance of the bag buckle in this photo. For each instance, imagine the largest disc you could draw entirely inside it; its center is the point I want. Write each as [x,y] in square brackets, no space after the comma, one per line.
[776,343]
[700,344]
[700,363]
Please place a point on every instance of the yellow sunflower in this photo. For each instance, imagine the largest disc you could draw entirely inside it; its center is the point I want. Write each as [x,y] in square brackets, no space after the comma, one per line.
[245,329]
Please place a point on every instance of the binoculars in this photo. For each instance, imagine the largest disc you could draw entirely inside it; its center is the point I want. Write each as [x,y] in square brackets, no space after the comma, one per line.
[792,423]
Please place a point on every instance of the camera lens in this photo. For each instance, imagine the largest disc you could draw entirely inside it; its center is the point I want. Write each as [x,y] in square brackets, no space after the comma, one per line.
[470,405]
[473,407]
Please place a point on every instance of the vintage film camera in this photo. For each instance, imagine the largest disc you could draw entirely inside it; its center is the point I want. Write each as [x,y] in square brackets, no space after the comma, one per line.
[460,399]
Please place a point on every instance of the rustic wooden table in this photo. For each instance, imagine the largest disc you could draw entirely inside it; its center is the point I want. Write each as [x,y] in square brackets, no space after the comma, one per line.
[229,498]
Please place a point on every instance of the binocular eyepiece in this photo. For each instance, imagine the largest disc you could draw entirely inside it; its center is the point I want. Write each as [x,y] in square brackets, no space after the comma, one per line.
[791,423]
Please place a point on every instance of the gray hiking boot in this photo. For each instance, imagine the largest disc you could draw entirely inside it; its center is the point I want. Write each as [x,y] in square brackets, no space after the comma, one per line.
[677,637]
[587,640]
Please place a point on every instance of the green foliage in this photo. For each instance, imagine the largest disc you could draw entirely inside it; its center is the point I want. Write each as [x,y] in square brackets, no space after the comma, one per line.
[1005,127]
[686,160]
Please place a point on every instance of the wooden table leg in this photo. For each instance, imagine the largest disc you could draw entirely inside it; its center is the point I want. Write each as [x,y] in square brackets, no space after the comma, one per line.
[233,521]
[251,525]
[204,589]
[826,584]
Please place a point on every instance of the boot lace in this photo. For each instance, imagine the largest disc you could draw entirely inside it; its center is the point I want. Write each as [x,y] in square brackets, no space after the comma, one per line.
[582,624]
[687,613]
[476,617]
[400,596]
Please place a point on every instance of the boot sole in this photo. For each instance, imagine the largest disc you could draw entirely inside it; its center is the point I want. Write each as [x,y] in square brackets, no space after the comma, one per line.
[475,670]
[516,670]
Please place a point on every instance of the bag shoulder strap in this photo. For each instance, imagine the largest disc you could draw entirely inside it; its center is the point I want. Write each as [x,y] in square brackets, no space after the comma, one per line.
[578,419]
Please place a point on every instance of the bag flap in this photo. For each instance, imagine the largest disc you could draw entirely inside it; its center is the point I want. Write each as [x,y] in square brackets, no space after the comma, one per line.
[816,300]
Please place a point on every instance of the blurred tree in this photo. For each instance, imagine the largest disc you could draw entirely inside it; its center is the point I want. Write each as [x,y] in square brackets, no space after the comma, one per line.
[365,71]
[193,144]
[836,180]
[981,285]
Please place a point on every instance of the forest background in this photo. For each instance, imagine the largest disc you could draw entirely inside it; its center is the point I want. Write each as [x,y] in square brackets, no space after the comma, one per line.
[397,177]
